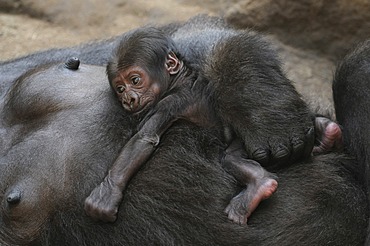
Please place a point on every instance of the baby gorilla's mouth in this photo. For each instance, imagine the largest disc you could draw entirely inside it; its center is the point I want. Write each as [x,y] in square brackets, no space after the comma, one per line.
[130,106]
[134,107]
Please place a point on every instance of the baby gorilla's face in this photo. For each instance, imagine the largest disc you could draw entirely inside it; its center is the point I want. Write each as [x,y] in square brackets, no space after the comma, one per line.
[136,89]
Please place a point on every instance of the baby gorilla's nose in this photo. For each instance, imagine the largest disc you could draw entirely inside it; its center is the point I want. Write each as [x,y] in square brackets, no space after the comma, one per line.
[131,102]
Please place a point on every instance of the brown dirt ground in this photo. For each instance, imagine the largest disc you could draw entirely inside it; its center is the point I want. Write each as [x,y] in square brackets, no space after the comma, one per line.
[79,21]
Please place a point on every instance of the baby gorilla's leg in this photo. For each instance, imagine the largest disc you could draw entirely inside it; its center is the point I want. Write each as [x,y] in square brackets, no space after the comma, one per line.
[328,136]
[259,183]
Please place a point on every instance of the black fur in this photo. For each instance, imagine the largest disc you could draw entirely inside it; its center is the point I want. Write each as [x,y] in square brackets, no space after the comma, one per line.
[55,159]
[351,91]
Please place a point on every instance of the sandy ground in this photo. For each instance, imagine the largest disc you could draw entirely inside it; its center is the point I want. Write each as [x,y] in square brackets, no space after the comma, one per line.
[81,21]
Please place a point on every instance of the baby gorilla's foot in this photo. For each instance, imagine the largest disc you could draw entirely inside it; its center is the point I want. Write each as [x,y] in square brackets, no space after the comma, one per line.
[328,136]
[242,205]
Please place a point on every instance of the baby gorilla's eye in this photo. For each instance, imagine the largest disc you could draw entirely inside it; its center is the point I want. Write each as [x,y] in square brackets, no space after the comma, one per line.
[135,80]
[120,89]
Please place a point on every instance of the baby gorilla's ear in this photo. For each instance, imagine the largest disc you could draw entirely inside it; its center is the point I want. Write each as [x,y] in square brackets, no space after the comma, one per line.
[173,64]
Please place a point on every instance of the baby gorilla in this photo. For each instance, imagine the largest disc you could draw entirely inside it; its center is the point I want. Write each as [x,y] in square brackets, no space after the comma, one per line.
[154,82]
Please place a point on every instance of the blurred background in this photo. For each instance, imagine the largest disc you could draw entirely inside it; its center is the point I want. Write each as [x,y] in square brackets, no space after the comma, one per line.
[311,35]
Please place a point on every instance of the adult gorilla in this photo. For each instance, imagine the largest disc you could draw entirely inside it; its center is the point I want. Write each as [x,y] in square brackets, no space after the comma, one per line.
[59,126]
[351,91]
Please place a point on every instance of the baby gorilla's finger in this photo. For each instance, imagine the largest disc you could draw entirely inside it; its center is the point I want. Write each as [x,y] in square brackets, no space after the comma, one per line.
[302,146]
[260,155]
[280,154]
[298,147]
[309,142]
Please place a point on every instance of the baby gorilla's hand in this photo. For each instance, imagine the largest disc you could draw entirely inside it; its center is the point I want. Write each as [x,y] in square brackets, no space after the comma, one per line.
[293,142]
[102,204]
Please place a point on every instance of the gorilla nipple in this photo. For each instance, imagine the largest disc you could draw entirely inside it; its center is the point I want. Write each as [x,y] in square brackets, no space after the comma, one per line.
[14,197]
[72,63]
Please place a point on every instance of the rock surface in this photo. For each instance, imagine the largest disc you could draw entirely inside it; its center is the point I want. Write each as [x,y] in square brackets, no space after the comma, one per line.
[328,27]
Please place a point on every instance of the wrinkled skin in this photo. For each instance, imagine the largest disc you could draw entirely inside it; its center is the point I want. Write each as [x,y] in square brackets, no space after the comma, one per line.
[135,91]
[62,129]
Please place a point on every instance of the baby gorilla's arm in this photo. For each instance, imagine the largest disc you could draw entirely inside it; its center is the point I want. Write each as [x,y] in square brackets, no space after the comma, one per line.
[103,202]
